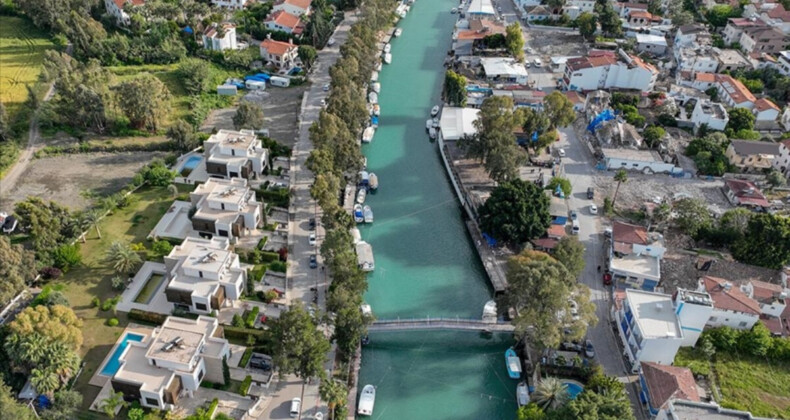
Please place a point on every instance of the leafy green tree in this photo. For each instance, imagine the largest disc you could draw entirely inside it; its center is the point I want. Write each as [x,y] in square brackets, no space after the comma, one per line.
[757,341]
[46,14]
[734,223]
[17,267]
[48,223]
[67,256]
[195,74]
[540,288]
[350,327]
[551,393]
[455,88]
[160,248]
[620,176]
[123,259]
[10,407]
[606,406]
[766,243]
[608,18]
[516,212]
[754,85]
[531,411]
[604,384]
[559,109]
[563,183]
[183,136]
[157,174]
[299,348]
[319,26]
[718,14]
[537,122]
[653,135]
[308,55]
[678,13]
[693,217]
[92,218]
[776,179]
[570,252]
[335,393]
[514,39]
[336,144]
[588,24]
[494,143]
[145,100]
[740,119]
[5,132]
[112,403]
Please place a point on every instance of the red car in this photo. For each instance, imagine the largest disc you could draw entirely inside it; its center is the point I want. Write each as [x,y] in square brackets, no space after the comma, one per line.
[607,279]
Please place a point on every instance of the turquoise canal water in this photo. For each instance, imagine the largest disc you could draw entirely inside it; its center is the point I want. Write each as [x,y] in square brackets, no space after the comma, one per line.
[425,262]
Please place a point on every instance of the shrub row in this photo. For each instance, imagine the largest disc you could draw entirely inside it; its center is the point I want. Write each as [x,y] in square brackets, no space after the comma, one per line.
[252,316]
[212,408]
[245,358]
[107,148]
[245,386]
[242,333]
[145,316]
[256,256]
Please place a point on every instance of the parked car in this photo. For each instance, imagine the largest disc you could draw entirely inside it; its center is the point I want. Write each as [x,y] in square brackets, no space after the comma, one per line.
[261,363]
[590,193]
[574,215]
[296,407]
[311,239]
[589,351]
[330,42]
[561,152]
[313,261]
[326,87]
[312,223]
[593,209]
[575,228]
[571,346]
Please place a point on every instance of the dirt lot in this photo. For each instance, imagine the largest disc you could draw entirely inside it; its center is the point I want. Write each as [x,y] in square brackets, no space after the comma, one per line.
[641,188]
[69,180]
[552,43]
[280,108]
[680,269]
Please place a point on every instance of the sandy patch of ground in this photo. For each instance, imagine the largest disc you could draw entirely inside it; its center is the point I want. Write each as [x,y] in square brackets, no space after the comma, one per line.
[70,179]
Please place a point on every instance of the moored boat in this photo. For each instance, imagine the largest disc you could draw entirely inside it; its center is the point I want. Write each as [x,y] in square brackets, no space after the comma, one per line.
[367,213]
[376,109]
[373,98]
[522,394]
[432,133]
[489,311]
[361,195]
[387,48]
[376,87]
[388,58]
[367,135]
[365,256]
[374,76]
[428,124]
[398,32]
[367,399]
[435,123]
[379,66]
[356,236]
[513,364]
[359,216]
[373,182]
[434,110]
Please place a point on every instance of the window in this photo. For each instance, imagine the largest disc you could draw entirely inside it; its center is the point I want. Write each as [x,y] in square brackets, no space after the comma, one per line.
[201,306]
[200,376]
[151,401]
[742,324]
[713,319]
[200,274]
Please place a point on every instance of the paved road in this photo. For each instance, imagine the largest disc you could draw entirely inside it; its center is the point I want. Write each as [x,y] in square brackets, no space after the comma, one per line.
[579,169]
[305,282]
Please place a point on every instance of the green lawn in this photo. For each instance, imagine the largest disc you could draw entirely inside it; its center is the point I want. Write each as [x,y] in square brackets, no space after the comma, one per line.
[747,384]
[22,48]
[92,278]
[150,287]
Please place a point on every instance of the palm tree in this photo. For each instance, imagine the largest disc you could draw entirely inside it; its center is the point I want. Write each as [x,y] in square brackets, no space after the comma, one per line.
[619,176]
[551,393]
[62,361]
[33,349]
[123,258]
[111,404]
[334,393]
[45,381]
[92,219]
[173,190]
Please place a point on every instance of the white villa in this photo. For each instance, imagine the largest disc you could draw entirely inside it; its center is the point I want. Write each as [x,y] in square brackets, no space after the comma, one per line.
[226,208]
[234,154]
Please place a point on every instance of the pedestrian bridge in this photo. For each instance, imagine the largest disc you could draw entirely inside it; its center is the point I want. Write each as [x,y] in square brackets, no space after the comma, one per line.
[401,324]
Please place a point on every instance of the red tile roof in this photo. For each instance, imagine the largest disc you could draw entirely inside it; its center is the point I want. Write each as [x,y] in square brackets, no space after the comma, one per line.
[780,13]
[628,233]
[545,243]
[746,192]
[705,77]
[302,4]
[556,231]
[744,22]
[284,19]
[122,3]
[763,104]
[735,89]
[666,382]
[729,300]
[775,325]
[574,96]
[593,59]
[764,291]
[277,47]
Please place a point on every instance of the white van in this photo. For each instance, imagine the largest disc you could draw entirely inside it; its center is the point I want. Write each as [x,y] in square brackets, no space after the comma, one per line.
[575,227]
[538,63]
[296,404]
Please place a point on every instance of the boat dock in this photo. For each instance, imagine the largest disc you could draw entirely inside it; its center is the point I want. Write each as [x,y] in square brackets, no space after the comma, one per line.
[440,324]
[349,195]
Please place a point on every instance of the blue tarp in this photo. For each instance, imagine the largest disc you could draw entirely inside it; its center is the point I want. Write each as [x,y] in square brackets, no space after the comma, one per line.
[603,116]
[189,30]
[239,85]
[43,401]
[491,241]
[374,120]
[260,77]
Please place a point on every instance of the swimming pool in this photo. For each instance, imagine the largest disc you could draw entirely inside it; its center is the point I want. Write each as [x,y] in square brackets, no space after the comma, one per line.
[192,162]
[574,389]
[114,363]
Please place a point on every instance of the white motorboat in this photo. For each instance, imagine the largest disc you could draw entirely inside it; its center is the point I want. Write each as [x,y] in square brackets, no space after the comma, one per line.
[387,48]
[398,32]
[454,10]
[436,123]
[435,110]
[376,109]
[432,133]
[489,311]
[373,182]
[367,135]
[428,124]
[379,66]
[365,256]
[388,58]
[373,98]
[522,394]
[367,213]
[366,400]
[361,194]
[355,235]
[374,76]
[359,216]
[376,86]
[366,309]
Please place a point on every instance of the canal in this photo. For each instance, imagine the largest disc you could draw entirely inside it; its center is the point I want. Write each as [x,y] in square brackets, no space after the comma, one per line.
[425,263]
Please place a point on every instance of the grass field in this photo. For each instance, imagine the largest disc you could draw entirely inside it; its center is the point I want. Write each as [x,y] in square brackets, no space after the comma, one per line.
[22,48]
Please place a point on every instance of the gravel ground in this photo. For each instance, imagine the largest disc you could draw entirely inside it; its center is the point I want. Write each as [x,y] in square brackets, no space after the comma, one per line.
[67,179]
[679,269]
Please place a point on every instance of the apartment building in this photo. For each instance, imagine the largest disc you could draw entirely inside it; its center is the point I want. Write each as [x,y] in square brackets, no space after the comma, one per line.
[609,70]
[235,154]
[226,208]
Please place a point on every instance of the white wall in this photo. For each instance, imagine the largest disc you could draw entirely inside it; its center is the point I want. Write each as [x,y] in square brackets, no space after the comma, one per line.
[737,320]
[635,165]
[290,9]
[767,115]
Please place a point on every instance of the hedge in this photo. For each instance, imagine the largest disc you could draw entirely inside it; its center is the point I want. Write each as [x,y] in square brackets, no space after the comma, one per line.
[242,333]
[107,148]
[246,357]
[212,407]
[145,316]
[245,386]
[251,316]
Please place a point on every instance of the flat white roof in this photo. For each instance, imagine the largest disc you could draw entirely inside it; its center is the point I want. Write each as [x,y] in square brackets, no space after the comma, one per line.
[654,314]
[641,265]
[651,39]
[481,7]
[136,369]
[631,154]
[455,122]
[494,66]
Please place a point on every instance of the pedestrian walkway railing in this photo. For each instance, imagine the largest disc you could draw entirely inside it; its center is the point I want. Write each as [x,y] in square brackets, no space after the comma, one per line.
[440,323]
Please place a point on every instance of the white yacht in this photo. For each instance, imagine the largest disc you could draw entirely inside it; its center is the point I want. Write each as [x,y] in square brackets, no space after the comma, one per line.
[374,76]
[388,58]
[373,182]
[373,98]
[432,133]
[359,216]
[367,135]
[398,32]
[435,110]
[366,400]
[522,394]
[361,196]
[367,214]
[365,256]
[387,48]
[489,311]
[376,86]
[379,66]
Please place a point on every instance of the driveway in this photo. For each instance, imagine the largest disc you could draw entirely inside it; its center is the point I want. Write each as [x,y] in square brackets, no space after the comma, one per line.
[302,278]
[579,167]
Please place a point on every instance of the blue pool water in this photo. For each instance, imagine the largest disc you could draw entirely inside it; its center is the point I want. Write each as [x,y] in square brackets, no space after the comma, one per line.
[192,162]
[573,389]
[114,363]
